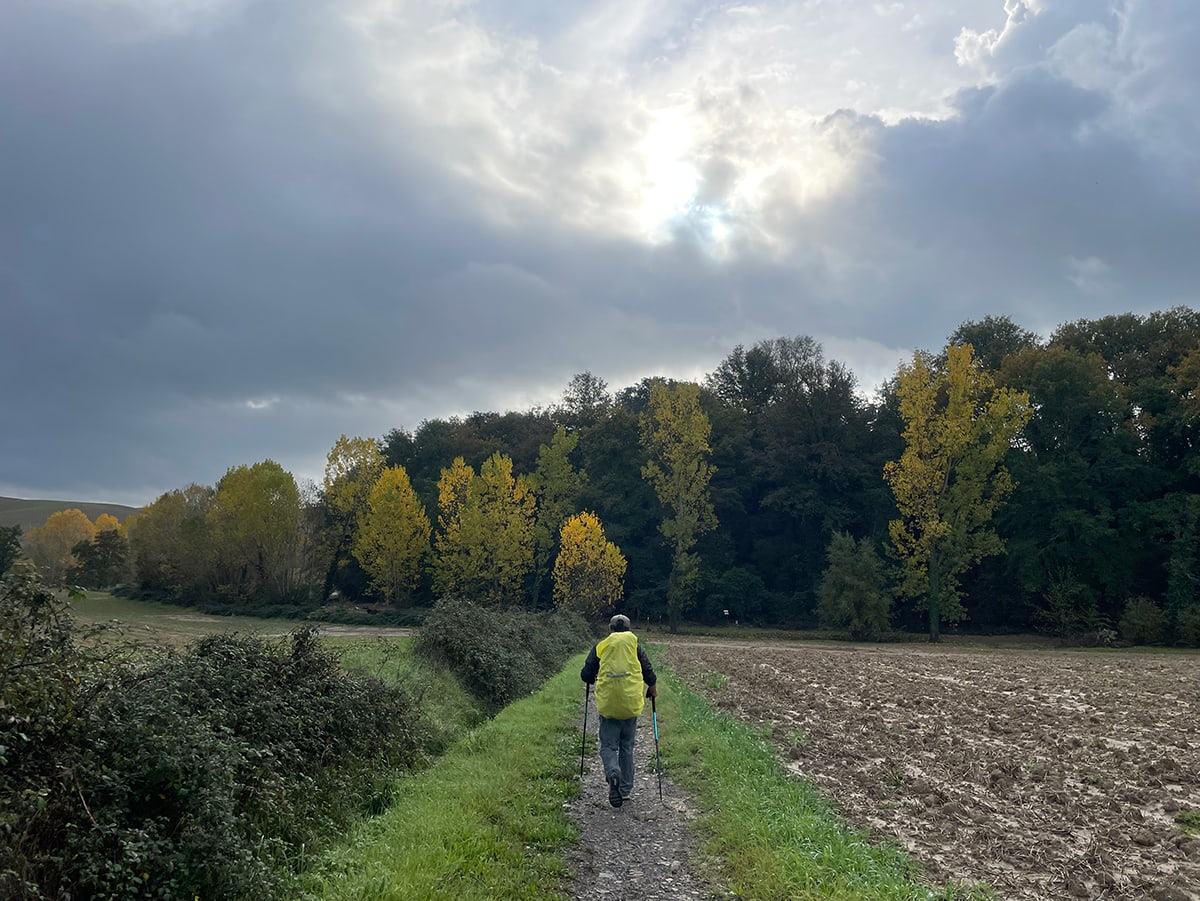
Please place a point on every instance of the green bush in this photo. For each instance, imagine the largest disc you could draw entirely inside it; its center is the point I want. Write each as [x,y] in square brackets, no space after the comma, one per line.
[46,686]
[1142,622]
[1068,611]
[853,593]
[500,655]
[1187,627]
[208,772]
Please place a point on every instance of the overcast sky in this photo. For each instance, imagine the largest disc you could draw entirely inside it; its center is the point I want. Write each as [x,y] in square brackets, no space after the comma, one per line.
[232,230]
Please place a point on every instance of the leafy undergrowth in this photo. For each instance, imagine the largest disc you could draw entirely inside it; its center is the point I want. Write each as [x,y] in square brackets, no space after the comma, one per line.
[485,821]
[207,772]
[767,834]
[500,655]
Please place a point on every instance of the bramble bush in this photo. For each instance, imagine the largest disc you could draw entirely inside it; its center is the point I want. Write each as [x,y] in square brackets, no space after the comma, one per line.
[500,655]
[207,772]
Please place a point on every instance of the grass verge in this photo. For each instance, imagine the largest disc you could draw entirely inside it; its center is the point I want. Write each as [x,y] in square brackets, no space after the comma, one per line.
[485,821]
[768,835]
[447,708]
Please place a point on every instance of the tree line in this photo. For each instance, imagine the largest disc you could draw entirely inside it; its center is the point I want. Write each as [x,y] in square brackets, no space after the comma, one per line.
[1004,482]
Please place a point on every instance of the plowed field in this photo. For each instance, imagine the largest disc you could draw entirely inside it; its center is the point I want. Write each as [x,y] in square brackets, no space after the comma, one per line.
[1045,774]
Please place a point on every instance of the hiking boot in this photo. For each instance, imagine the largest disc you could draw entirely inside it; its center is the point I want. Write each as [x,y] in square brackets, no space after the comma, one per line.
[614,791]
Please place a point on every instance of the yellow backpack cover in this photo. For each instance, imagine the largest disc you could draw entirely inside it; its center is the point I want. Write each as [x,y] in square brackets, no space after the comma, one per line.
[620,691]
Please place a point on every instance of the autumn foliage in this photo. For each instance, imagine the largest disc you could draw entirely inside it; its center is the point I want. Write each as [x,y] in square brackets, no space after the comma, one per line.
[589,572]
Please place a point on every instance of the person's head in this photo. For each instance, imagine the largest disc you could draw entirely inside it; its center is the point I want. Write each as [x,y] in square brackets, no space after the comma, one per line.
[619,623]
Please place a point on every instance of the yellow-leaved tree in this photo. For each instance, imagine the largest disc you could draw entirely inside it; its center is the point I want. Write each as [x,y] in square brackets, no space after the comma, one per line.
[351,469]
[485,542]
[451,564]
[50,545]
[107,522]
[589,571]
[675,434]
[393,537]
[950,478]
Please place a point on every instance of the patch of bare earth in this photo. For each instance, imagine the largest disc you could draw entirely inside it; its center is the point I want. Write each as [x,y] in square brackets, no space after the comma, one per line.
[1045,774]
[642,850]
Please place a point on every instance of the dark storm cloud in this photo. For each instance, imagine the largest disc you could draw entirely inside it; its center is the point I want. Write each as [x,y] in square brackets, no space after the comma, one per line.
[237,231]
[195,220]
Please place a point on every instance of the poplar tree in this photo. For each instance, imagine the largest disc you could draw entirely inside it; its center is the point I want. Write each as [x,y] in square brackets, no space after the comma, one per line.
[452,565]
[485,547]
[951,477]
[393,537]
[589,571]
[351,469]
[675,433]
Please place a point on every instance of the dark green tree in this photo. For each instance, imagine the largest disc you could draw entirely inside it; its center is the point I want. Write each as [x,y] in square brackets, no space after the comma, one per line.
[586,401]
[853,593]
[803,460]
[102,562]
[995,339]
[557,485]
[611,455]
[1079,470]
[10,547]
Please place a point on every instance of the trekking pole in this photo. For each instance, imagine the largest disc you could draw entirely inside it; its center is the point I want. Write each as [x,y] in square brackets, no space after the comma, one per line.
[587,693]
[657,759]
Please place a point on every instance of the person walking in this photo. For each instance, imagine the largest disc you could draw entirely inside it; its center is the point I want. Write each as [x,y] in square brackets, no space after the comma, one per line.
[624,678]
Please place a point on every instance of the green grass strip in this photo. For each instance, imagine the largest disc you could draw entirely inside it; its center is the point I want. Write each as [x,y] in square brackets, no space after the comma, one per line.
[446,707]
[485,821]
[768,834]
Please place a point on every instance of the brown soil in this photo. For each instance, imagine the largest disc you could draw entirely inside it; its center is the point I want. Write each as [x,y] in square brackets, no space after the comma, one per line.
[1045,774]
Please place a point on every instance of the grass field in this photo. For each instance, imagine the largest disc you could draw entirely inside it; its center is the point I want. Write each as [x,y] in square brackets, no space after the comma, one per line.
[164,624]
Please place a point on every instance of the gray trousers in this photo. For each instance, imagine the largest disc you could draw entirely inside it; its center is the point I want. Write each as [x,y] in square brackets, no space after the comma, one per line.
[616,750]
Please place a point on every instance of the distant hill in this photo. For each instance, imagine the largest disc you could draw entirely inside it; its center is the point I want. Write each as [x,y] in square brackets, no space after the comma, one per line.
[15,511]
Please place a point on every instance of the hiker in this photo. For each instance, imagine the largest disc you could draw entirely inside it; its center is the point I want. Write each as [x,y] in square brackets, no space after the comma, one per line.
[624,678]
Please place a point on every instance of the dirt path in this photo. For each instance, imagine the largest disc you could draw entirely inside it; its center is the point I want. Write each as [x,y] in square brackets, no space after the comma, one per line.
[641,850]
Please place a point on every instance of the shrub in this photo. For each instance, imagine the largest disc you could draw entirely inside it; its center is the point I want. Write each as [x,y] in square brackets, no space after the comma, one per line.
[1187,626]
[853,592]
[199,773]
[215,766]
[1142,621]
[46,684]
[1068,610]
[500,655]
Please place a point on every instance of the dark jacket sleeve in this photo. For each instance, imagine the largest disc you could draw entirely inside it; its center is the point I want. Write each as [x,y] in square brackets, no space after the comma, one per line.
[591,667]
[647,670]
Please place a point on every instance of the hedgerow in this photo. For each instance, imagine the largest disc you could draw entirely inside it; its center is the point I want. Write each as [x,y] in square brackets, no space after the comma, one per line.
[500,655]
[208,772]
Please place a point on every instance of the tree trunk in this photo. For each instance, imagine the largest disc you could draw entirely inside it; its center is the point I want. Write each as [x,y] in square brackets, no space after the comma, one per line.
[935,608]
